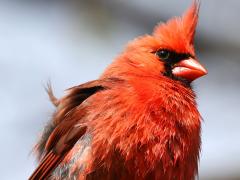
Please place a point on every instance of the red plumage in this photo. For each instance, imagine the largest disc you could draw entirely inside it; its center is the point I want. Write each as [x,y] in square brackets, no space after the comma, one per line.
[138,121]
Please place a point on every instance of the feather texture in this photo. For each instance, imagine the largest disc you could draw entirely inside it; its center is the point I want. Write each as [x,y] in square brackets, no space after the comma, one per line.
[134,122]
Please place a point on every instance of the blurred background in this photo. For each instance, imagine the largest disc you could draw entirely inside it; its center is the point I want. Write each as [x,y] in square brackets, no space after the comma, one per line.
[71,42]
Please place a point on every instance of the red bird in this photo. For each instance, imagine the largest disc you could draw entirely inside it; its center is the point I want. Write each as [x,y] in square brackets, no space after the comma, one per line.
[139,120]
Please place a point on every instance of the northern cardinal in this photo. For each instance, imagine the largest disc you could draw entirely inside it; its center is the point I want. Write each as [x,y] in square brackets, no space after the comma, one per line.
[139,120]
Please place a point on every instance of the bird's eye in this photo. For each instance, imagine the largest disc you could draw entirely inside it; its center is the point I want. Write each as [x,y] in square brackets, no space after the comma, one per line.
[163,54]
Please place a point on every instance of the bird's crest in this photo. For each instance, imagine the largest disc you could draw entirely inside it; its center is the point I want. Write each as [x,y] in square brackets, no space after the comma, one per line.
[178,33]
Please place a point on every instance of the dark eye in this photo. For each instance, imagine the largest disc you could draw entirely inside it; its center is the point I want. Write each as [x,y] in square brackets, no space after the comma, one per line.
[163,54]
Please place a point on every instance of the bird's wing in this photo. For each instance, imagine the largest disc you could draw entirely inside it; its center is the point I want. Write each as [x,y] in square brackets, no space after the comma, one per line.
[66,128]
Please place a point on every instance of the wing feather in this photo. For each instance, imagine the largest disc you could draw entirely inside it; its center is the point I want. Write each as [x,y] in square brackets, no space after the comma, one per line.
[65,127]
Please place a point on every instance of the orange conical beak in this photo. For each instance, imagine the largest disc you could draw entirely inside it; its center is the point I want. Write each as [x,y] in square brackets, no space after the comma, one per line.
[189,69]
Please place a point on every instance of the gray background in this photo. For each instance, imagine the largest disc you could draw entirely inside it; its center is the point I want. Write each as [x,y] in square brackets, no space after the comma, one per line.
[71,42]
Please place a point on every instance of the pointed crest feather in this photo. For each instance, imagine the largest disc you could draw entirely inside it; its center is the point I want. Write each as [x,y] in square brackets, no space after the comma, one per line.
[178,33]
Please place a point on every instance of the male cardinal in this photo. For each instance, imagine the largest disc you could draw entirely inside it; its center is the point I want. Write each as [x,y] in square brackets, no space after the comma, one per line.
[139,120]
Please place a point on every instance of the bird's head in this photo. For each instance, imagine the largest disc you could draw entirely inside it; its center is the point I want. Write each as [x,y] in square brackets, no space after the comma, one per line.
[169,51]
